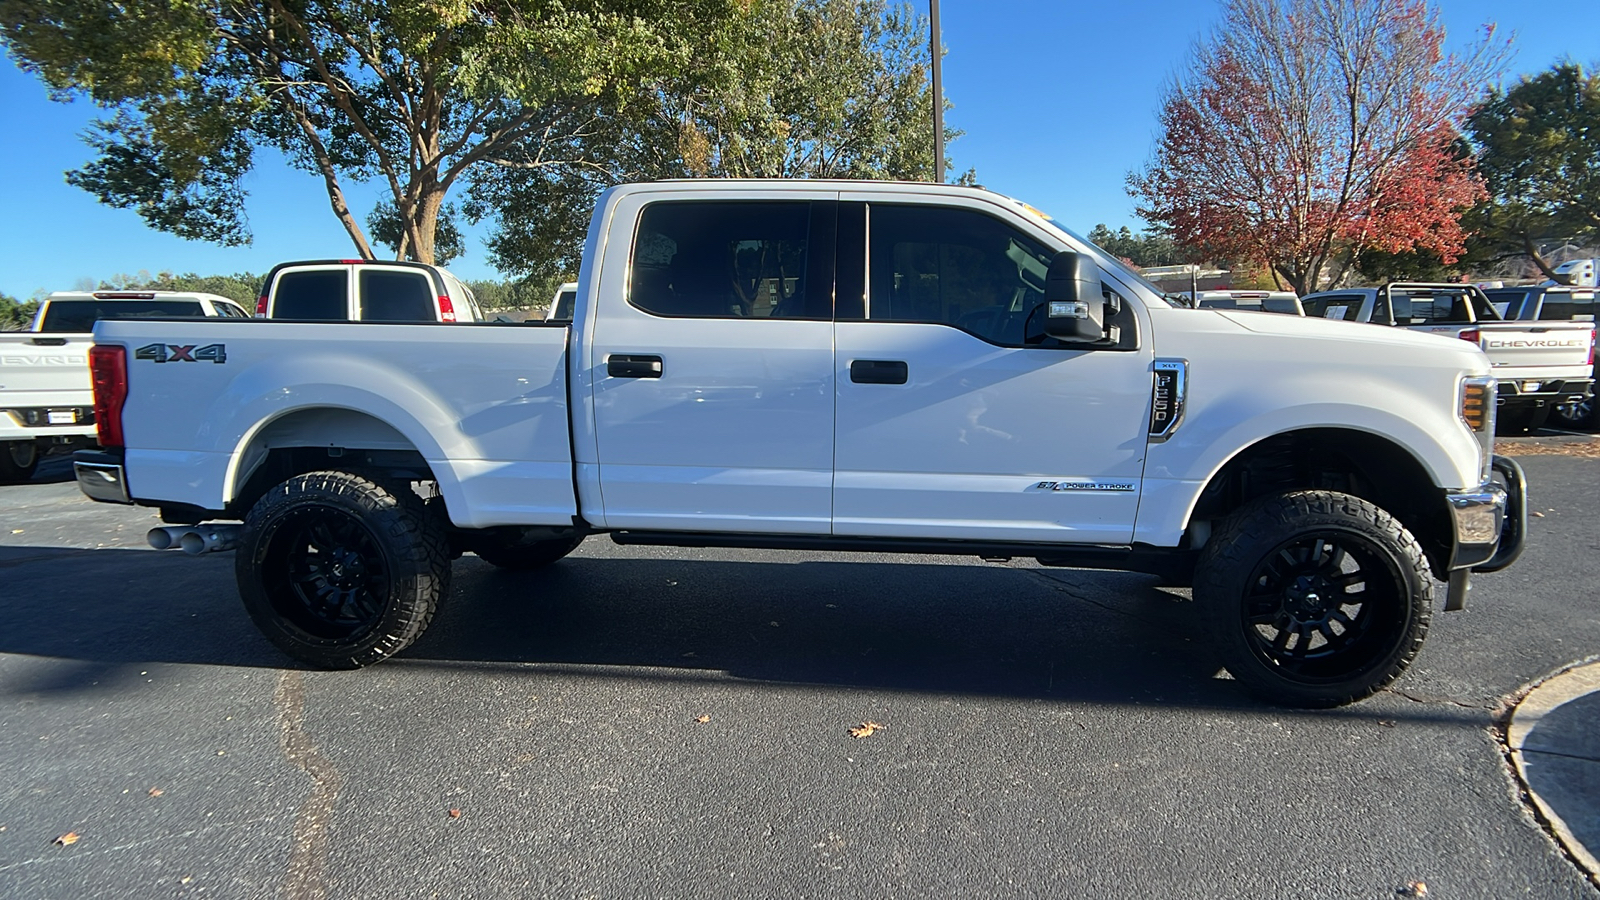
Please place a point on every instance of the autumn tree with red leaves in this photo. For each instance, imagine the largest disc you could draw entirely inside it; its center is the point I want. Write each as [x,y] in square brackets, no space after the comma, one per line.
[1311,130]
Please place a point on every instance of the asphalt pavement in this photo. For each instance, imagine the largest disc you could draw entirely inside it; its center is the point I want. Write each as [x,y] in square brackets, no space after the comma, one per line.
[652,722]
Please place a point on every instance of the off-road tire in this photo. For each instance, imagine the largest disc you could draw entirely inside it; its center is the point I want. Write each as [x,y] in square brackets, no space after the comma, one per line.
[1583,415]
[528,555]
[18,459]
[341,569]
[1365,592]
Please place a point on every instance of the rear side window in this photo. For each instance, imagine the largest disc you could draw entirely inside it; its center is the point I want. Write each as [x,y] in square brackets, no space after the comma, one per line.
[564,301]
[729,259]
[391,296]
[1440,308]
[79,316]
[1345,307]
[316,294]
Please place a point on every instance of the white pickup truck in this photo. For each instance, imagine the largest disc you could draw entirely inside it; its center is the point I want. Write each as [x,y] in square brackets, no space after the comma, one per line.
[45,398]
[1539,366]
[822,365]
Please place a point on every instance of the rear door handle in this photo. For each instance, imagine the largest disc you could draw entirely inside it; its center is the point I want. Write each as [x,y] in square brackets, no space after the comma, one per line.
[623,365]
[878,371]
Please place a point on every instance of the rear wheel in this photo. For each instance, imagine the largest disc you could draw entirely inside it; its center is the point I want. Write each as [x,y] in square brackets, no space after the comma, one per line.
[1314,598]
[18,459]
[1581,414]
[341,570]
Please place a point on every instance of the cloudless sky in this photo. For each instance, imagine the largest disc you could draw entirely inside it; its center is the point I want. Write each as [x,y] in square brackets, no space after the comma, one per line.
[1058,99]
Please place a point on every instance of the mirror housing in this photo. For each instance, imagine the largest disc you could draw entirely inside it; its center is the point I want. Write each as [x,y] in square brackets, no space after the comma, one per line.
[1074,302]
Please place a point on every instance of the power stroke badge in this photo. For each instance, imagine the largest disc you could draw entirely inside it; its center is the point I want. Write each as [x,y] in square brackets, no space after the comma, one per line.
[1082,486]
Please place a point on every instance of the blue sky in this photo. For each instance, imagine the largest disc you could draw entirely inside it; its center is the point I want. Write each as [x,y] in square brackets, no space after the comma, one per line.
[1058,101]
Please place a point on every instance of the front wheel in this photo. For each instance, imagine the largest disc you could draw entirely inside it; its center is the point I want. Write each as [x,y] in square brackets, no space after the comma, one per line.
[1314,598]
[18,459]
[341,570]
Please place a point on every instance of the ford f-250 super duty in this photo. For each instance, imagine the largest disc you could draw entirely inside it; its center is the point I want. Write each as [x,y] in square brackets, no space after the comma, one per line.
[829,365]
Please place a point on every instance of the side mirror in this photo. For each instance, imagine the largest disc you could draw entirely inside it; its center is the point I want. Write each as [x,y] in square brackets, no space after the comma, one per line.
[1075,306]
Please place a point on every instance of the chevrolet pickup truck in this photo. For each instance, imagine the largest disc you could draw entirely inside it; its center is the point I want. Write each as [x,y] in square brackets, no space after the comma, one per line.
[1557,303]
[816,365]
[1538,367]
[45,397]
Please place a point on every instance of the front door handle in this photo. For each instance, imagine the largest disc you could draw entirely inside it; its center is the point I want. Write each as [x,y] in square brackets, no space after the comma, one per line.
[878,371]
[624,365]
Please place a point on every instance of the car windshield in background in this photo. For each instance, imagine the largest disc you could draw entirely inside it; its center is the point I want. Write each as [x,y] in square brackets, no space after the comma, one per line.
[1440,308]
[79,316]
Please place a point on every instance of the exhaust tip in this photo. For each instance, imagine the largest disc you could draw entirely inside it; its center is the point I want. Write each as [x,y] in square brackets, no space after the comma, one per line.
[192,543]
[160,538]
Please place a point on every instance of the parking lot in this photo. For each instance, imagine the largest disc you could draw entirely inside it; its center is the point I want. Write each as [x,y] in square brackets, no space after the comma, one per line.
[636,722]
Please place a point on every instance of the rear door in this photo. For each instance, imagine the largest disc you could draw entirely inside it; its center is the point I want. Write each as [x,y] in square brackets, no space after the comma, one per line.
[712,364]
[949,425]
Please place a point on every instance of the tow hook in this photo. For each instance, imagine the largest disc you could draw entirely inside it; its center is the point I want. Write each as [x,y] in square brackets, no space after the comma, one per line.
[195,539]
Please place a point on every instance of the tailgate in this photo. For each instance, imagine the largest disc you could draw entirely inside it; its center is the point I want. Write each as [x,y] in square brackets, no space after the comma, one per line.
[44,370]
[1527,346]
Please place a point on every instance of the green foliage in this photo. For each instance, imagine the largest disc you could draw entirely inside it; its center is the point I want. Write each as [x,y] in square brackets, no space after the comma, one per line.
[785,89]
[16,315]
[1148,248]
[525,293]
[240,287]
[1379,267]
[386,227]
[1539,155]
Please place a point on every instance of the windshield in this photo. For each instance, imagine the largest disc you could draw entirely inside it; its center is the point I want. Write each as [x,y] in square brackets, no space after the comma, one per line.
[79,316]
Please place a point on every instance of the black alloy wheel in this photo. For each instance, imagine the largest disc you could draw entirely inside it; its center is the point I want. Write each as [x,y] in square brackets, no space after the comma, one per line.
[18,460]
[1579,414]
[1314,598]
[326,573]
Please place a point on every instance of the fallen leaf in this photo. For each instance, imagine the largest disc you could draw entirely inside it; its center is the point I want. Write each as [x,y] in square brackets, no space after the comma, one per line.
[866,729]
[68,839]
[1387,723]
[1537,514]
[222,753]
[16,531]
[455,813]
[185,879]
[702,719]
[156,792]
[1415,889]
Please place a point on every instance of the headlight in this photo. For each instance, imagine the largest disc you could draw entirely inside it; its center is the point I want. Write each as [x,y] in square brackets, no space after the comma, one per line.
[1477,409]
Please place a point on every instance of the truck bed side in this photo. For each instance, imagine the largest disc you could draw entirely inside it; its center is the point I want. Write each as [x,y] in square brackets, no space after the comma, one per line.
[210,401]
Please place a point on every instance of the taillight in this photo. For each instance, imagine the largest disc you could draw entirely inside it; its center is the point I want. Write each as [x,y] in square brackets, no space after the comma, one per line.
[1471,334]
[108,368]
[447,310]
[1591,347]
[261,307]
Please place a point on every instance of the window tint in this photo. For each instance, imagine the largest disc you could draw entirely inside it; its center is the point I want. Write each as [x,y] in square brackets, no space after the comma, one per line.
[1567,306]
[391,296]
[318,294]
[1346,307]
[1441,307]
[954,267]
[79,316]
[1507,303]
[563,310]
[730,259]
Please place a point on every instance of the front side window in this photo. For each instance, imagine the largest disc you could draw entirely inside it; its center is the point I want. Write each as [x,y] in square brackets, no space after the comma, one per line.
[391,296]
[954,267]
[726,259]
[317,294]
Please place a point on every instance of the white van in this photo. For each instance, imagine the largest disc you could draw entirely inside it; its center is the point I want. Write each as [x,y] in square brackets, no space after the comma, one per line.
[365,290]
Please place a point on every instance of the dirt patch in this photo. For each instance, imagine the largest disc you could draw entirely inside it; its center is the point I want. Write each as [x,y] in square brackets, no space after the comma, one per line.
[1585,446]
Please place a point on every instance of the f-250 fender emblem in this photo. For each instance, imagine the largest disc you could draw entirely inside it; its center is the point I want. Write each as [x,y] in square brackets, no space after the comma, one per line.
[165,353]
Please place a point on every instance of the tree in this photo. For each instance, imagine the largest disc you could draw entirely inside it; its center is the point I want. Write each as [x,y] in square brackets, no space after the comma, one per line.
[1313,130]
[1539,154]
[1148,248]
[793,89]
[421,95]
[241,287]
[15,315]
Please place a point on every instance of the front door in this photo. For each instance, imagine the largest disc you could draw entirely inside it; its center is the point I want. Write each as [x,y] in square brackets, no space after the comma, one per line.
[713,375]
[948,424]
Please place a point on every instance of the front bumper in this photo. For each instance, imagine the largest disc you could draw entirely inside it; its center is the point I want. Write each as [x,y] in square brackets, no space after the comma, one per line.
[1491,521]
[101,476]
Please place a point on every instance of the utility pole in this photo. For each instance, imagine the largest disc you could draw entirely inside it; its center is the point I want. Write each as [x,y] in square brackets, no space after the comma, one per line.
[935,45]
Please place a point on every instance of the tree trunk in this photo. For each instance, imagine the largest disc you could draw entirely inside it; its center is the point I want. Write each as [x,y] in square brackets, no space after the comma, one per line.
[1532,249]
[425,223]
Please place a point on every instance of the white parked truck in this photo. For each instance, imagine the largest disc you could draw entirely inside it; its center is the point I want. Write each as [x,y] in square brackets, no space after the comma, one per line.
[1539,366]
[817,365]
[45,398]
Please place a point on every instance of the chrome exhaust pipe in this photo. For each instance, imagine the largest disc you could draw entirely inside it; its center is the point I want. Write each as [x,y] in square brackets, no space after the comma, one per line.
[165,537]
[210,539]
[195,539]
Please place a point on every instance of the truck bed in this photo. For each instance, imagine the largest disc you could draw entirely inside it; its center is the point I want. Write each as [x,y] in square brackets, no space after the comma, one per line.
[485,405]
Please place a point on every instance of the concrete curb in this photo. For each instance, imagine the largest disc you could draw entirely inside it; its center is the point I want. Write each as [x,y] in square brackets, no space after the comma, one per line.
[1559,798]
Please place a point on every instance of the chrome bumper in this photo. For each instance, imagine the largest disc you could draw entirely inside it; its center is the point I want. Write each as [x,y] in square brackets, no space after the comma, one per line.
[1491,524]
[100,476]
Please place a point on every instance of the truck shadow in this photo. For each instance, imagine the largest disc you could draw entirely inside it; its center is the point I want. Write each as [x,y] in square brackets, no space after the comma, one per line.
[940,627]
